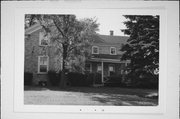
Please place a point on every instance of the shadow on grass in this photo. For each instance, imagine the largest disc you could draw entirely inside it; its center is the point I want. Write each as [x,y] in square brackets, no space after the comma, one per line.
[96,90]
[107,95]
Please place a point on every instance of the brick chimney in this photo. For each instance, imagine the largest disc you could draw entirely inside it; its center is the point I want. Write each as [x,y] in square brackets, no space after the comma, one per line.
[111,32]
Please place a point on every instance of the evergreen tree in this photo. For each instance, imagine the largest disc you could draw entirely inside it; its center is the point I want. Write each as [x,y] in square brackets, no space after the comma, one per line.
[142,47]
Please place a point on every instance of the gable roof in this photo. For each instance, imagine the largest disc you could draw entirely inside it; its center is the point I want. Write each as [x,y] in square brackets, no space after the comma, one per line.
[108,39]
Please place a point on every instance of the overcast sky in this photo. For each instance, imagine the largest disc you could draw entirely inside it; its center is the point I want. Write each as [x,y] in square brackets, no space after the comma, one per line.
[108,20]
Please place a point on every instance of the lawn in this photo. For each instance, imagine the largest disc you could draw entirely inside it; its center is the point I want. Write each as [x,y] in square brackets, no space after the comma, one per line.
[89,96]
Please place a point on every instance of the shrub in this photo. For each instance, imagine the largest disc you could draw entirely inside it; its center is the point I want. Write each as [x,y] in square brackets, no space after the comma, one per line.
[90,79]
[77,79]
[54,78]
[146,80]
[97,78]
[115,81]
[28,78]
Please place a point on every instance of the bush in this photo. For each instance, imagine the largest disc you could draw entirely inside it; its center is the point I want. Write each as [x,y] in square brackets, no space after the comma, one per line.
[77,79]
[28,78]
[97,78]
[146,80]
[54,78]
[114,81]
[90,79]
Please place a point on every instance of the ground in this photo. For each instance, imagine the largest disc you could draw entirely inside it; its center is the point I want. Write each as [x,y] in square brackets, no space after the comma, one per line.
[89,96]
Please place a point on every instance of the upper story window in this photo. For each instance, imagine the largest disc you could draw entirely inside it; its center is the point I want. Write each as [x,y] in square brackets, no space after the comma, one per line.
[112,51]
[95,50]
[43,39]
[43,64]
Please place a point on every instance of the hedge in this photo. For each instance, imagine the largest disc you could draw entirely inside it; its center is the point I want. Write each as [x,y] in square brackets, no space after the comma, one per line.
[28,78]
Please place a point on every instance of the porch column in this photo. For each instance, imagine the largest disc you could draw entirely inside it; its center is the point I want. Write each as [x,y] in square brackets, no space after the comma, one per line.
[102,72]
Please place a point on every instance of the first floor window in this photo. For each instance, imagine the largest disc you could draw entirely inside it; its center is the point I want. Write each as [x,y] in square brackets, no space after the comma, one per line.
[88,67]
[111,70]
[43,64]
[99,68]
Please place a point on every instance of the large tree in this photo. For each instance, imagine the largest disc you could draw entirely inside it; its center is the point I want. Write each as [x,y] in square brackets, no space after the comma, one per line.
[142,47]
[71,36]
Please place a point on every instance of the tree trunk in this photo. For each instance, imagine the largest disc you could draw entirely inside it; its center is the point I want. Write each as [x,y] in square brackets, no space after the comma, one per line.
[63,81]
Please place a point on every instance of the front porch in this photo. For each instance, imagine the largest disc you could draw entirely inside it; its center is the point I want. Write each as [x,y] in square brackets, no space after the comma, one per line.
[106,67]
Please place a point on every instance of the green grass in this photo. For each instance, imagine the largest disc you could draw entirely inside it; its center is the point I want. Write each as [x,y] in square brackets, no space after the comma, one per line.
[89,96]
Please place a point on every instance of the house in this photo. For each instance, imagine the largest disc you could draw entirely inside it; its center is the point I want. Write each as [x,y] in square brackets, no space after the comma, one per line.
[41,56]
[106,54]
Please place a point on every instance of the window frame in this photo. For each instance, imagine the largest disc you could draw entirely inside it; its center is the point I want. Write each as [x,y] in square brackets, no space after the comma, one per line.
[93,49]
[113,69]
[40,64]
[100,66]
[115,50]
[90,70]
[41,37]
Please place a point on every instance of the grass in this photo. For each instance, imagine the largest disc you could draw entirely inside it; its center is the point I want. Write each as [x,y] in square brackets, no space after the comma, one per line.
[89,96]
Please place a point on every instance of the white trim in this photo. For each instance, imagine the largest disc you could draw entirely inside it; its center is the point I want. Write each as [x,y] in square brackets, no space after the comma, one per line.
[40,39]
[100,66]
[39,64]
[93,50]
[112,48]
[113,68]
[33,28]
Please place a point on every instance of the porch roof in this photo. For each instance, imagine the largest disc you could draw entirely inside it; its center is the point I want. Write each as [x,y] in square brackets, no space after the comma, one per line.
[107,60]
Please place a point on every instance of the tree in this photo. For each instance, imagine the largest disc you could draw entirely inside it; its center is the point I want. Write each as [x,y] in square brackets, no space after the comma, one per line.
[71,36]
[142,47]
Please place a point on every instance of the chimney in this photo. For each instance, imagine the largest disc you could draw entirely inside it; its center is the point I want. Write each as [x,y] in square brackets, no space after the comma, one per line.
[111,32]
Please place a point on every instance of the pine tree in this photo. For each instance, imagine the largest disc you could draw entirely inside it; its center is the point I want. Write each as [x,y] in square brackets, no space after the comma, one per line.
[142,47]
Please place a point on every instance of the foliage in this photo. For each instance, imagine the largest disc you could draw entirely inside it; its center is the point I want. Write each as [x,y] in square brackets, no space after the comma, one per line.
[142,47]
[145,81]
[70,36]
[114,81]
[77,79]
[54,77]
[28,78]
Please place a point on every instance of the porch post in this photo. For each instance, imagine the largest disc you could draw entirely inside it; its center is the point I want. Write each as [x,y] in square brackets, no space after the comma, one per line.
[102,72]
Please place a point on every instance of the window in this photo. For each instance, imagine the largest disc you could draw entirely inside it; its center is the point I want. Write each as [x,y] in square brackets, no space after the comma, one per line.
[99,68]
[43,39]
[112,51]
[88,67]
[95,50]
[111,70]
[43,64]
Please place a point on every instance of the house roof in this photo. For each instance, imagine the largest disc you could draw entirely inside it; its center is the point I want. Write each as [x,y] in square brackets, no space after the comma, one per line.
[110,40]
[106,56]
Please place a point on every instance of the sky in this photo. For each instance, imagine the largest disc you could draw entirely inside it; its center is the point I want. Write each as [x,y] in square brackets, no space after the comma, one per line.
[108,20]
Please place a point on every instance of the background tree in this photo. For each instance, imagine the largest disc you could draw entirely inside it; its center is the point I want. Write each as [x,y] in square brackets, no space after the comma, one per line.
[142,47]
[72,38]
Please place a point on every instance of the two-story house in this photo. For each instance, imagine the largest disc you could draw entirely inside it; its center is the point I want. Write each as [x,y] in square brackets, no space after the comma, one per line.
[41,56]
[106,54]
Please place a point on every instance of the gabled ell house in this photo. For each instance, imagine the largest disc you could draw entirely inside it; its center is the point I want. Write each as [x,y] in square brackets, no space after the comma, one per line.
[41,55]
